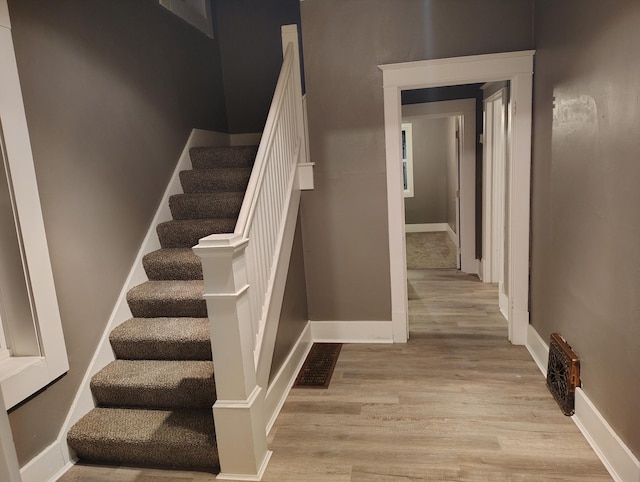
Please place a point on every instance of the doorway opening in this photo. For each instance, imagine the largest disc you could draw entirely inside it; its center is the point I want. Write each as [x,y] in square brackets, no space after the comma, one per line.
[515,67]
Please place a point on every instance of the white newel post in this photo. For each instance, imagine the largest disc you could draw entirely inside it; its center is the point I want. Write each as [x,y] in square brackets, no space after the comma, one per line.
[239,411]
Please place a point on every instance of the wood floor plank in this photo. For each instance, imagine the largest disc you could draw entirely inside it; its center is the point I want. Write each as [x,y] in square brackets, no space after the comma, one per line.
[458,402]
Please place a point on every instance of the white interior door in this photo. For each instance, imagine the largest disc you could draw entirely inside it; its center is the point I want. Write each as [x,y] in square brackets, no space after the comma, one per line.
[495,191]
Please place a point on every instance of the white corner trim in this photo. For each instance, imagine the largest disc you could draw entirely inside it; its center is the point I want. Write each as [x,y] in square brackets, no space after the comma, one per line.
[453,236]
[622,465]
[614,454]
[83,401]
[352,331]
[425,228]
[286,376]
[48,465]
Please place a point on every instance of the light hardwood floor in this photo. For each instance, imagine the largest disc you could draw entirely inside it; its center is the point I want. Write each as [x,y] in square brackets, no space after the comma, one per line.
[458,402]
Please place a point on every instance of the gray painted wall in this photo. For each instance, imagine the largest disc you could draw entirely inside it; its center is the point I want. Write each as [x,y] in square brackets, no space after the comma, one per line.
[111,90]
[345,217]
[585,198]
[294,316]
[430,154]
[251,52]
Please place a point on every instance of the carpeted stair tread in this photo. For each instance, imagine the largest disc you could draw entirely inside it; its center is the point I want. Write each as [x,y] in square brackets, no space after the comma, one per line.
[162,339]
[215,180]
[186,233]
[172,264]
[155,384]
[221,157]
[155,399]
[206,205]
[167,299]
[163,438]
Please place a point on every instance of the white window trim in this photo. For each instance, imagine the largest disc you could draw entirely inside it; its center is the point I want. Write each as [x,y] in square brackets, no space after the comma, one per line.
[21,377]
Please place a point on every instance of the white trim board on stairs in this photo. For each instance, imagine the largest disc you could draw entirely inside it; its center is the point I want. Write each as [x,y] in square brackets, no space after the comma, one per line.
[612,451]
[283,381]
[48,465]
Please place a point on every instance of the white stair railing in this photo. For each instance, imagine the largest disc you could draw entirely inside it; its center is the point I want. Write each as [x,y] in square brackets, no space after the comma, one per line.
[242,272]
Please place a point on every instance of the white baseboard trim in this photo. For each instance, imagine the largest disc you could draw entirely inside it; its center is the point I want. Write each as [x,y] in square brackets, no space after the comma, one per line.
[453,236]
[615,455]
[425,228]
[83,401]
[283,381]
[47,466]
[352,331]
[538,349]
[622,465]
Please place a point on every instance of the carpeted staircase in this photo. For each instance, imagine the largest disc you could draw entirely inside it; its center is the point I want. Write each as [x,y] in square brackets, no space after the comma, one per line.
[153,403]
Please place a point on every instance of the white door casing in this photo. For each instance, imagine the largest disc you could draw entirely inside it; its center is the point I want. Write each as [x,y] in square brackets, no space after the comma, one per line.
[515,67]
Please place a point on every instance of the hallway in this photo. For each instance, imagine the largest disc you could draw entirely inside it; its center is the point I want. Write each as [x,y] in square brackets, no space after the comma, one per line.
[458,402]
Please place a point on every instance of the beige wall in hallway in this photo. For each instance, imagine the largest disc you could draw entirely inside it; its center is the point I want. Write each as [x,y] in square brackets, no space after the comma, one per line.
[111,92]
[585,197]
[345,217]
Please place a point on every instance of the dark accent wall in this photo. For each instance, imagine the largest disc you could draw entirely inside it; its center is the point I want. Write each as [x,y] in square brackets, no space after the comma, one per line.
[251,51]
[294,315]
[585,275]
[112,90]
[345,218]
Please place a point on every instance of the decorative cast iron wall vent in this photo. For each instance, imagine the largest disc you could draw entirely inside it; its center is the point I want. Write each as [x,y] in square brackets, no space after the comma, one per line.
[563,373]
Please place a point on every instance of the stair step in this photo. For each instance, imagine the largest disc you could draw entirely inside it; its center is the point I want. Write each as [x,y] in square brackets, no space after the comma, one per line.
[162,339]
[155,384]
[172,264]
[186,233]
[177,298]
[220,157]
[206,205]
[164,438]
[215,180]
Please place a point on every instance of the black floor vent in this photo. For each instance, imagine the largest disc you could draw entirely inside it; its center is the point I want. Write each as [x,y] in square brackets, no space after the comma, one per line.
[563,373]
[318,367]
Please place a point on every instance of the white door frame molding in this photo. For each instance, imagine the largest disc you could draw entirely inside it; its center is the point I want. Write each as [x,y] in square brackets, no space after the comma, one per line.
[516,67]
